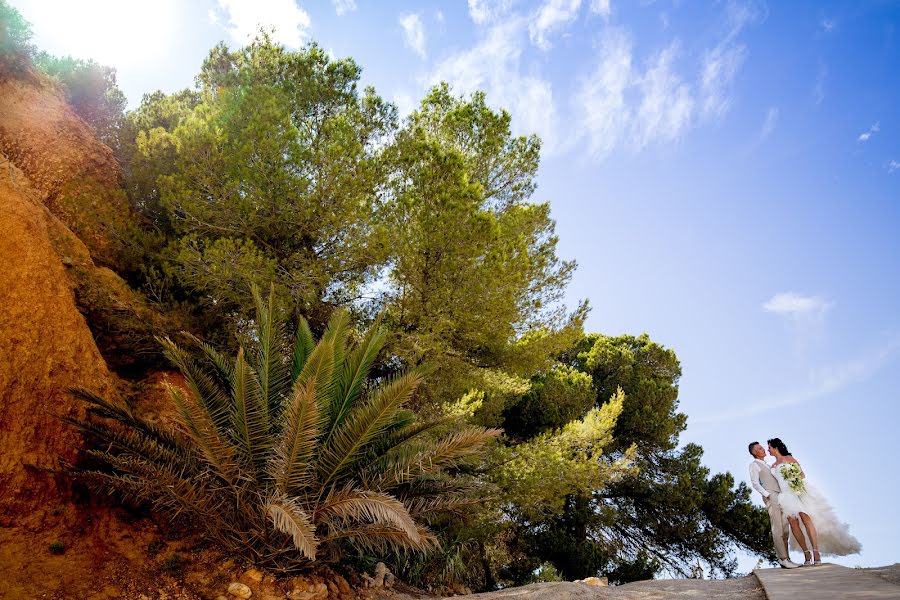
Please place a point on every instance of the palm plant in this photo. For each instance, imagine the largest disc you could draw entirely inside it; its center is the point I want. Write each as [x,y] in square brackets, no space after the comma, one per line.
[287,453]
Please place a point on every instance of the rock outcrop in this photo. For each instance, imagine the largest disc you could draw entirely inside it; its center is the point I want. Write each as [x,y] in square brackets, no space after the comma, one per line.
[45,348]
[66,319]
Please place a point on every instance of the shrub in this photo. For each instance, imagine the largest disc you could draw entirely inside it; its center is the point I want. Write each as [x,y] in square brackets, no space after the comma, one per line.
[57,547]
[287,453]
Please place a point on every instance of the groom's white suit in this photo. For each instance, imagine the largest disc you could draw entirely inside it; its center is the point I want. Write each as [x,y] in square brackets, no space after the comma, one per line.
[765,483]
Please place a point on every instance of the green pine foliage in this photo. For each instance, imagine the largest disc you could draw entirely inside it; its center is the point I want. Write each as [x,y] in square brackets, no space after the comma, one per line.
[287,453]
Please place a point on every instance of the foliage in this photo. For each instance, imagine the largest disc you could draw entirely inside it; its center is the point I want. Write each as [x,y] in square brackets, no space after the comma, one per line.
[473,265]
[16,49]
[670,511]
[56,547]
[287,454]
[536,476]
[90,90]
[272,167]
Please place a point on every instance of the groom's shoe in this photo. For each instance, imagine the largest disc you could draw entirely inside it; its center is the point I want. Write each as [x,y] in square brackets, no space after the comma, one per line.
[786,564]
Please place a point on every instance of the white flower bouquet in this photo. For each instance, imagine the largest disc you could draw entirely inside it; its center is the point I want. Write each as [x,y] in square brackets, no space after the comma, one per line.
[792,473]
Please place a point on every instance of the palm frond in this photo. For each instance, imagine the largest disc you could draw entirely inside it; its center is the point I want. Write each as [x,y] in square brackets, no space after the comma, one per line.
[352,375]
[121,413]
[363,424]
[291,467]
[303,347]
[213,396]
[365,506]
[267,354]
[222,364]
[287,517]
[250,418]
[318,369]
[200,427]
[336,333]
[381,539]
[433,456]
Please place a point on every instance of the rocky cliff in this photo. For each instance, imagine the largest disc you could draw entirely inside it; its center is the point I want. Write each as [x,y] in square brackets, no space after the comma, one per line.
[66,318]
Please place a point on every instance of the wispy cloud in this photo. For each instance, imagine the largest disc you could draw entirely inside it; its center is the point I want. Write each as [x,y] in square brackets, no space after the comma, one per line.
[550,17]
[865,136]
[342,7]
[721,64]
[769,124]
[488,11]
[604,113]
[796,306]
[621,104]
[893,165]
[819,87]
[601,7]
[493,65]
[666,104]
[413,33]
[242,20]
[828,25]
[820,382]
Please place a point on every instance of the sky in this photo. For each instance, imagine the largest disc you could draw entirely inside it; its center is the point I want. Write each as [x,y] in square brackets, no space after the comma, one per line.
[725,173]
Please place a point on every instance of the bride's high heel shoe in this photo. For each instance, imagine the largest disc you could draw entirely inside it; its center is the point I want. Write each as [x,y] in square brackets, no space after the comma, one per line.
[817,557]
[808,556]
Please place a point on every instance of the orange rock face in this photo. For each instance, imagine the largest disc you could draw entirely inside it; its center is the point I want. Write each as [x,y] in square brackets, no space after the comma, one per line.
[45,348]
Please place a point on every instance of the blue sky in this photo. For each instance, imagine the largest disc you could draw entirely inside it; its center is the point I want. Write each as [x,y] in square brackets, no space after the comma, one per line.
[726,174]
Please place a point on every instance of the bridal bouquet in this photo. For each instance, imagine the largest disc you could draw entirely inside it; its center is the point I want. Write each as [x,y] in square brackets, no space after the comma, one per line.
[794,476]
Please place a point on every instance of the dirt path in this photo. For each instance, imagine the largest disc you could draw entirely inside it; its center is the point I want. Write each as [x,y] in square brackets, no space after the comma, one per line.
[744,588]
[826,582]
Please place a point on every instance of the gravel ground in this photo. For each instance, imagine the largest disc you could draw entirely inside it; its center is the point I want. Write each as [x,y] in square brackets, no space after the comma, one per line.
[744,588]
[891,573]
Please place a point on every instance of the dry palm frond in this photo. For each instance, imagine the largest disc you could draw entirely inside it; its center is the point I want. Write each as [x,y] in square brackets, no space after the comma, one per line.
[365,506]
[289,518]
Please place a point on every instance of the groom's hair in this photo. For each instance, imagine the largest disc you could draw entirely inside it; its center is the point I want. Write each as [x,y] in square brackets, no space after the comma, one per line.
[750,447]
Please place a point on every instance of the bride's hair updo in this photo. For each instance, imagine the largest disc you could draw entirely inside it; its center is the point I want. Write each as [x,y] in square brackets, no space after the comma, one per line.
[779,445]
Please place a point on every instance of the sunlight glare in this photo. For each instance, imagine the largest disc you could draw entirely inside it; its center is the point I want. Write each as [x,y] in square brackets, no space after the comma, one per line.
[122,33]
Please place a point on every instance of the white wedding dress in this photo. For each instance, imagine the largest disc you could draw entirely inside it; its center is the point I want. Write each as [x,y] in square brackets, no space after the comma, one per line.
[834,536]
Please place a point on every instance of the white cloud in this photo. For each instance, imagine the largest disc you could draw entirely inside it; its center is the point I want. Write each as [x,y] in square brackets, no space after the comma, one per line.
[289,22]
[601,100]
[828,25]
[866,135]
[820,382]
[893,165]
[600,7]
[552,16]
[819,88]
[494,66]
[604,100]
[488,11]
[342,7]
[796,306]
[439,16]
[720,66]
[769,124]
[665,110]
[413,33]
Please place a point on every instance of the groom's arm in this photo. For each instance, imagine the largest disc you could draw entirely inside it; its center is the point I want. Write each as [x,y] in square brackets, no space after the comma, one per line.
[754,479]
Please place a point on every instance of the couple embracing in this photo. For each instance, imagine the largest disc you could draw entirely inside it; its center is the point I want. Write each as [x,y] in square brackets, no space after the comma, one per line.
[797,507]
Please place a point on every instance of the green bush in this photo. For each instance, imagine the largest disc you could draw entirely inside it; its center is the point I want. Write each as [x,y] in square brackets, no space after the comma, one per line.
[287,453]
[57,547]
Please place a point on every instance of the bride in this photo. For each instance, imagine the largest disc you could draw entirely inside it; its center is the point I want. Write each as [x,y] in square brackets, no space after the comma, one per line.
[801,502]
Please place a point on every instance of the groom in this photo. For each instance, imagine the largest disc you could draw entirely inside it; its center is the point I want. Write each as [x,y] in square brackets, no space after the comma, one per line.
[765,483]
